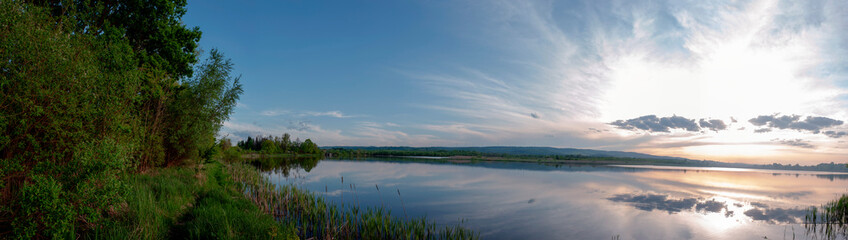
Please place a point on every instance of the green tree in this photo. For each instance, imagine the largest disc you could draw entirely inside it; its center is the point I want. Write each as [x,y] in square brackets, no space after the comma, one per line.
[162,48]
[285,142]
[308,147]
[249,143]
[153,28]
[201,106]
[268,146]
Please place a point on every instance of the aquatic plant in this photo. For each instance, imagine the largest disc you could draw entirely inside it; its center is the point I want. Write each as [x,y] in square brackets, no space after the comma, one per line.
[831,220]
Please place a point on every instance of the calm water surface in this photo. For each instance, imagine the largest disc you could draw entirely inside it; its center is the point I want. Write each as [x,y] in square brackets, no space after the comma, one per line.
[532,201]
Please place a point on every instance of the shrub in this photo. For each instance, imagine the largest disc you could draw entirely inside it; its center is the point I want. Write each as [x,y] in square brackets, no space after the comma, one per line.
[232,154]
[44,211]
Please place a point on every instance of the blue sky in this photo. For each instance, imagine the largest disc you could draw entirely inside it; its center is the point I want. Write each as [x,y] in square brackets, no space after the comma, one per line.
[749,81]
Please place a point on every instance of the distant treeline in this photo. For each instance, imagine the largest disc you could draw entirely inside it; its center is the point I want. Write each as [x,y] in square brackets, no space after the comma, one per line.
[356,152]
[340,152]
[828,167]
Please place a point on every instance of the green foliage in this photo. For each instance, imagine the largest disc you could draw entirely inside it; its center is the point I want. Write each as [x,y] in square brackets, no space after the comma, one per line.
[209,153]
[93,90]
[309,148]
[279,145]
[201,106]
[89,191]
[233,218]
[231,154]
[155,201]
[285,142]
[56,92]
[831,220]
[152,27]
[45,213]
[66,103]
[268,146]
[99,191]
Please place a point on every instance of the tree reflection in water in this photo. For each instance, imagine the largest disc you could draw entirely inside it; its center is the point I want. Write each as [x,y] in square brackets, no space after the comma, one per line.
[285,165]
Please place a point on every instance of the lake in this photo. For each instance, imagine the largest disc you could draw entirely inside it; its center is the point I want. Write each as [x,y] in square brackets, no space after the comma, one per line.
[503,200]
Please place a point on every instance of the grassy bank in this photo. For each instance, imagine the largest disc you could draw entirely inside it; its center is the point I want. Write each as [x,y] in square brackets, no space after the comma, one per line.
[194,202]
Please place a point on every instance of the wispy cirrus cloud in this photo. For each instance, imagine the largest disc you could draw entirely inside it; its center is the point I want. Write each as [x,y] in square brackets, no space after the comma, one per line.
[795,143]
[281,112]
[335,114]
[274,112]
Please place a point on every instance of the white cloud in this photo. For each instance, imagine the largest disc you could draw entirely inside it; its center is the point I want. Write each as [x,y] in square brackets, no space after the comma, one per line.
[281,112]
[274,113]
[335,114]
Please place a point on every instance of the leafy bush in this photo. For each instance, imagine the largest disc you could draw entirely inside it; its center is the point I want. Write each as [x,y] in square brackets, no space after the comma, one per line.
[45,212]
[62,111]
[92,190]
[231,154]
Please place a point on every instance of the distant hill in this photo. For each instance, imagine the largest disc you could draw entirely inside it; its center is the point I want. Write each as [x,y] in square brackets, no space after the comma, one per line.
[530,151]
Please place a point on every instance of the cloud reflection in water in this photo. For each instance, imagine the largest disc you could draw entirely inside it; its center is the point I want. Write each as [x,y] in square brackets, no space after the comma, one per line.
[755,210]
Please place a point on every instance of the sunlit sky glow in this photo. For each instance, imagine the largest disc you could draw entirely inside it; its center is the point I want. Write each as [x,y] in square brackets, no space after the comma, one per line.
[771,75]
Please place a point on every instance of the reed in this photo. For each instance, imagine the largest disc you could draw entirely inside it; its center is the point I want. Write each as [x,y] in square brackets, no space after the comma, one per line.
[830,220]
[315,218]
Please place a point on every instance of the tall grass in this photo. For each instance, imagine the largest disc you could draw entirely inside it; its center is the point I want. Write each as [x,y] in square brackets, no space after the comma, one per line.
[181,203]
[831,220]
[155,201]
[315,218]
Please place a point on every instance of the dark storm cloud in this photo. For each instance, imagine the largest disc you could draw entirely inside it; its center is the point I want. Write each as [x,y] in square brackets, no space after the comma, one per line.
[652,123]
[794,122]
[776,215]
[713,124]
